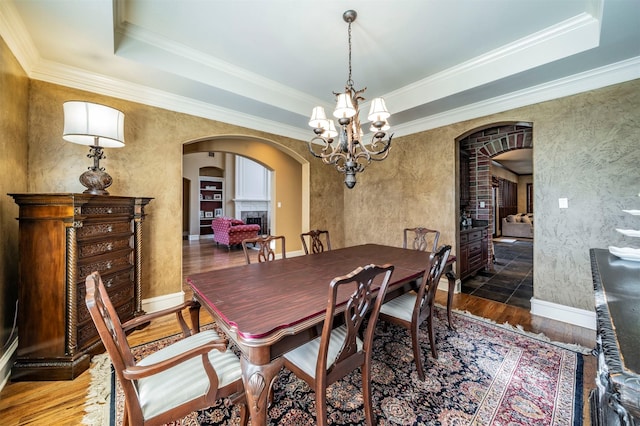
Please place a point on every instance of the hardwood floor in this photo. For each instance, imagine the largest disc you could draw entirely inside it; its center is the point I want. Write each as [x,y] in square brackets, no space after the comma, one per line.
[62,403]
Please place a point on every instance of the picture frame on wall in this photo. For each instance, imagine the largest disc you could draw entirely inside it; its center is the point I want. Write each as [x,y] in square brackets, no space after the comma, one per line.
[217,212]
[208,214]
[217,197]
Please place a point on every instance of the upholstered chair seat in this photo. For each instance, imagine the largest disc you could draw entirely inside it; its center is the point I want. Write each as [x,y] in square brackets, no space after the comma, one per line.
[186,380]
[306,356]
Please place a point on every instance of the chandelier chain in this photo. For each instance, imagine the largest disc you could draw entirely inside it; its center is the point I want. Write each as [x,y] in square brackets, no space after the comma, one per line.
[349,81]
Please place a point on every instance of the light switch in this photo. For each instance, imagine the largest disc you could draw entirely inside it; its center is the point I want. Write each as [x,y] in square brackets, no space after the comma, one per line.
[279,204]
[563,203]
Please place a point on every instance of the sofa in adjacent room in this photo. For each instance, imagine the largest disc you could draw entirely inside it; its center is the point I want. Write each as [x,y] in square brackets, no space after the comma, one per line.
[230,231]
[518,225]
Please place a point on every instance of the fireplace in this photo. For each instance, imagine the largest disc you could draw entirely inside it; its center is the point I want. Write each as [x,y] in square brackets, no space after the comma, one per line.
[258,218]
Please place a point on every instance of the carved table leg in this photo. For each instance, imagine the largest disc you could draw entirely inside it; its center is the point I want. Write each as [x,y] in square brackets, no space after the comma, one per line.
[257,381]
[451,277]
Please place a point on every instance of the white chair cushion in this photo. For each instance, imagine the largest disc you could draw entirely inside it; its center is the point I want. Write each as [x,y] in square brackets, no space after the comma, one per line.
[184,382]
[401,307]
[306,356]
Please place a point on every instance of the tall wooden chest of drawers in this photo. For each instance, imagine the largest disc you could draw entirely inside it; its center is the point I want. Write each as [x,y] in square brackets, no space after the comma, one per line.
[63,238]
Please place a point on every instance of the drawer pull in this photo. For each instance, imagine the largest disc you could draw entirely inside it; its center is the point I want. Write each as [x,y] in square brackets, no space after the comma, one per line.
[109,211]
[109,265]
[109,246]
[109,283]
[110,228]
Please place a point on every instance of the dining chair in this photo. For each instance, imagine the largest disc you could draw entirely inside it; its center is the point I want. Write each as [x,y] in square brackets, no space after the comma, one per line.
[420,238]
[166,385]
[412,308]
[315,237]
[265,245]
[340,350]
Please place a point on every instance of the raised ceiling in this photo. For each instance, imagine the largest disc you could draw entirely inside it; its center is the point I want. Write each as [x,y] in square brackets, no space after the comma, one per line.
[265,64]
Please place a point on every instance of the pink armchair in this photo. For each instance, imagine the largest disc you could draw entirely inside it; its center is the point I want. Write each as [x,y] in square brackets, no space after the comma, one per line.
[229,231]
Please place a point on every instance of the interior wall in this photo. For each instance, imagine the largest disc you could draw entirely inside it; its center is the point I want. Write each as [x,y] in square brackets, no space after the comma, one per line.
[150,165]
[586,149]
[14,110]
[522,192]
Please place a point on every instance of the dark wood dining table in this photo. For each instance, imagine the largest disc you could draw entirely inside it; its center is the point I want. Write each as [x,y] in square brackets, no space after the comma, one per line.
[270,308]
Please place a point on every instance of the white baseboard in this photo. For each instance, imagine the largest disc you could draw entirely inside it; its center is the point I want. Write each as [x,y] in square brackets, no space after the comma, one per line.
[568,314]
[200,237]
[6,363]
[154,304]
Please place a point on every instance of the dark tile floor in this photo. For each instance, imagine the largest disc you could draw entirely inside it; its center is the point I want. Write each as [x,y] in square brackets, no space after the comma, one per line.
[511,280]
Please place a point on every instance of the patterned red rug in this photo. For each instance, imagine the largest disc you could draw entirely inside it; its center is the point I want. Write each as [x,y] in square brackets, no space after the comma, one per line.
[486,374]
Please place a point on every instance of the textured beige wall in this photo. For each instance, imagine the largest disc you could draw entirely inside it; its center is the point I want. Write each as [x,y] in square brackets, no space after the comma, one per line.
[150,165]
[14,92]
[586,148]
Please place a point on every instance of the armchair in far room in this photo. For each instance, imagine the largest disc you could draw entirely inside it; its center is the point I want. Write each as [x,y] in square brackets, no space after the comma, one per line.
[230,231]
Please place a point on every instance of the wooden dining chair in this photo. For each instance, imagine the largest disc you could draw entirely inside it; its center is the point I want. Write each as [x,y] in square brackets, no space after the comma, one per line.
[412,308]
[265,245]
[340,350]
[188,375]
[420,238]
[315,237]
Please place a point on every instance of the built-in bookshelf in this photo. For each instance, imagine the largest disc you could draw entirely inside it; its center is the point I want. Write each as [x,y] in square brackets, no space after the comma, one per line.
[211,202]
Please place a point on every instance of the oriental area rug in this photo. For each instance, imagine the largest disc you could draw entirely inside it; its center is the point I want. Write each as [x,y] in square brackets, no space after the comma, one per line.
[485,374]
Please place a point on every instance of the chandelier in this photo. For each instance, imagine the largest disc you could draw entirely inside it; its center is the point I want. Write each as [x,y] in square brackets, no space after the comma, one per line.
[350,155]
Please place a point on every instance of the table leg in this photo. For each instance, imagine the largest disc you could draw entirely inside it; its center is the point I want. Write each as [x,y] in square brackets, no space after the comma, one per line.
[451,277]
[257,381]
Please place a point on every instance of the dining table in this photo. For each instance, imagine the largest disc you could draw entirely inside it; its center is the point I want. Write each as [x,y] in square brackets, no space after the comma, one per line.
[269,308]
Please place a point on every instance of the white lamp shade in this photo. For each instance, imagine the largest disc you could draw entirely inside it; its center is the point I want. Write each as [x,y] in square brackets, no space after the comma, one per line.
[344,106]
[318,118]
[93,124]
[378,110]
[331,131]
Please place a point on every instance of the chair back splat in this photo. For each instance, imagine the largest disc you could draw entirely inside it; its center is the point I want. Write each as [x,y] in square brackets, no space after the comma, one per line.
[265,246]
[315,237]
[413,308]
[339,350]
[420,238]
[165,386]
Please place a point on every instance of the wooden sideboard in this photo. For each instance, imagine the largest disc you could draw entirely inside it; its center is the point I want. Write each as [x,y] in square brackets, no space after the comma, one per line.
[474,251]
[63,238]
[616,398]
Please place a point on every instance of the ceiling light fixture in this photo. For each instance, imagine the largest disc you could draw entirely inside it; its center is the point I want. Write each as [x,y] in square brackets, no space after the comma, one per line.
[350,155]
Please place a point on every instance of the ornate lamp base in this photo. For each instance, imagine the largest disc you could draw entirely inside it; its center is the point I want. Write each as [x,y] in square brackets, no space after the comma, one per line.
[96,181]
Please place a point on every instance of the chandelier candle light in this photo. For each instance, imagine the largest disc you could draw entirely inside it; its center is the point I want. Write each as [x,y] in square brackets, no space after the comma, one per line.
[97,126]
[350,155]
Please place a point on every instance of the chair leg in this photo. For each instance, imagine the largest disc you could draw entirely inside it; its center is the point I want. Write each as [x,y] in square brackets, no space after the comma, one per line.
[321,406]
[432,340]
[417,353]
[366,392]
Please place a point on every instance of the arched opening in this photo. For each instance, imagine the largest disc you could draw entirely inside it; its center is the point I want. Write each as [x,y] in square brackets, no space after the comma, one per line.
[289,187]
[489,192]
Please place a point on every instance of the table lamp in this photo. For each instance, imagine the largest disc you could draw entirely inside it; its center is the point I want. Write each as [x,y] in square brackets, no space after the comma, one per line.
[97,126]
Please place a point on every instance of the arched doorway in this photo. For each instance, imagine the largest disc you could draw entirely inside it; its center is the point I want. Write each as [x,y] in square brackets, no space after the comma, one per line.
[488,193]
[290,187]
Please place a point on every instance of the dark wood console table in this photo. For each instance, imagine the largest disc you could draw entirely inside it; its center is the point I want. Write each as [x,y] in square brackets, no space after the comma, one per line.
[616,399]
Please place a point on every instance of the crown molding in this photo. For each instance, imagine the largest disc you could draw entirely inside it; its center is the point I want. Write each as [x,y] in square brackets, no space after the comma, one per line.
[616,73]
[566,38]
